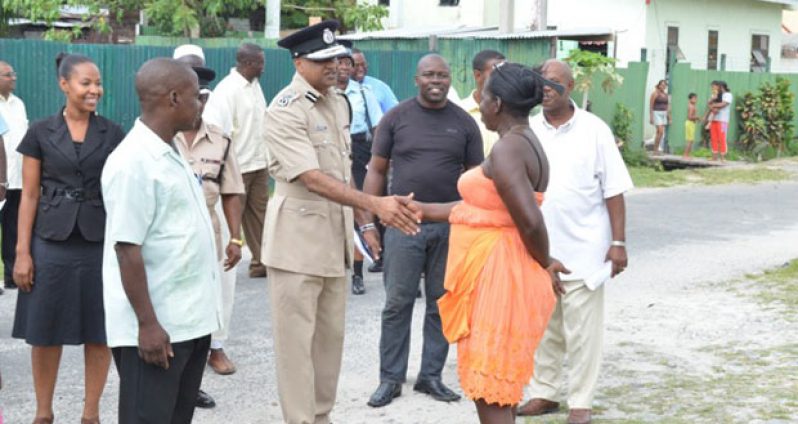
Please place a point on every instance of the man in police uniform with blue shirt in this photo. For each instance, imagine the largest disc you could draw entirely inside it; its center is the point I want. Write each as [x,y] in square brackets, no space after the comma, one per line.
[307,242]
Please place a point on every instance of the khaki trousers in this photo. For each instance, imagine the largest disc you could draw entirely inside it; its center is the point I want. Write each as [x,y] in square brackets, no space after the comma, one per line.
[228,299]
[308,326]
[256,186]
[575,331]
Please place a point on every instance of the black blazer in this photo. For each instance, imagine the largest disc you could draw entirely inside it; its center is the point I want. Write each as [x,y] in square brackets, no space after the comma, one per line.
[70,185]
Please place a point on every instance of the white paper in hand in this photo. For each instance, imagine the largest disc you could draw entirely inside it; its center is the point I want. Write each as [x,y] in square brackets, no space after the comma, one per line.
[596,279]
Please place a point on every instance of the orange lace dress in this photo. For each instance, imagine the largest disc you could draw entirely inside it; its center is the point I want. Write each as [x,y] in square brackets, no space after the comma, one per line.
[498,298]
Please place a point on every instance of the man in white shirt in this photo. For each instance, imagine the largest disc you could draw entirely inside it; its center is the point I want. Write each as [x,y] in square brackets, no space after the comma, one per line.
[585,218]
[161,288]
[12,109]
[482,66]
[238,107]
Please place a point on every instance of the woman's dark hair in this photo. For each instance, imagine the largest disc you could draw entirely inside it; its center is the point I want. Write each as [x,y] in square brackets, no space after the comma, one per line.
[519,87]
[65,63]
[660,83]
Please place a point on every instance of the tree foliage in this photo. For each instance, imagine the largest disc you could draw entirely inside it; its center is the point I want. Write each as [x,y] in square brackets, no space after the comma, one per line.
[766,117]
[351,13]
[587,65]
[171,17]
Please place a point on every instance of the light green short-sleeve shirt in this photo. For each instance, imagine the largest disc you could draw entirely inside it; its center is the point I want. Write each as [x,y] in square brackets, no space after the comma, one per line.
[153,199]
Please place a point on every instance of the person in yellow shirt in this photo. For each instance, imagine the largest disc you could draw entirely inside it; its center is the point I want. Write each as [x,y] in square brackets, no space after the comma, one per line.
[482,64]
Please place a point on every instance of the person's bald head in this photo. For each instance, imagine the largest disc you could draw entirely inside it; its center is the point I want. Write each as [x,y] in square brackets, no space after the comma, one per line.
[561,73]
[168,92]
[250,61]
[8,79]
[433,79]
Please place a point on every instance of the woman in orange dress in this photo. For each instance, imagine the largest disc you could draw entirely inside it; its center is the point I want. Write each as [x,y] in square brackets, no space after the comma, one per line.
[500,281]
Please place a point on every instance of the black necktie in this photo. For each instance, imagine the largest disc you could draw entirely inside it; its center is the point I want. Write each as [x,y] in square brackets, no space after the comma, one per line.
[366,108]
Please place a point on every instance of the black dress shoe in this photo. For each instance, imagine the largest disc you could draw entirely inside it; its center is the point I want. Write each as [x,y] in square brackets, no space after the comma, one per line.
[357,285]
[385,394]
[376,266]
[436,389]
[205,400]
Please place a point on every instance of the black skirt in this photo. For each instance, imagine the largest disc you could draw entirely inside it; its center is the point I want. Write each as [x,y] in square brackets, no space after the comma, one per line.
[65,306]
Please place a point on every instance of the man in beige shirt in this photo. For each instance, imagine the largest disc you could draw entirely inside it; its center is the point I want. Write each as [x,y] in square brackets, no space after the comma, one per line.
[308,236]
[237,106]
[482,65]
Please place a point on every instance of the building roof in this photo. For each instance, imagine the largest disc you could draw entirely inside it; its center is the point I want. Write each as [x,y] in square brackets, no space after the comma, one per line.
[792,3]
[482,33]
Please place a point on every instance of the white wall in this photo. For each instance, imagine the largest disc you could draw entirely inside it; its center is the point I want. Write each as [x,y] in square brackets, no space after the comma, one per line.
[627,17]
[475,13]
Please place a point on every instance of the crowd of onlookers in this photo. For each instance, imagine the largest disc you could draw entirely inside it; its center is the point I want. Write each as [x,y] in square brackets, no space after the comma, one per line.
[127,244]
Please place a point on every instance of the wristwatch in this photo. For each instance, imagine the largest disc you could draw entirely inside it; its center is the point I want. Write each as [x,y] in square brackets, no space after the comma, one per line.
[237,242]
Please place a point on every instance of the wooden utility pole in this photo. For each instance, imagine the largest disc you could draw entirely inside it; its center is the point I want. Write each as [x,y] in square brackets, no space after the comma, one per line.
[506,16]
[272,27]
[541,15]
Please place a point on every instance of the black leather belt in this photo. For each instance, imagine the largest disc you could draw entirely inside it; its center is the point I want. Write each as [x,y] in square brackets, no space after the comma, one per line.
[363,137]
[74,194]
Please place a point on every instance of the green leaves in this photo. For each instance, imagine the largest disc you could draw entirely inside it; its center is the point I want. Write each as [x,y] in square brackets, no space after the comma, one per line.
[351,13]
[586,65]
[766,117]
[622,123]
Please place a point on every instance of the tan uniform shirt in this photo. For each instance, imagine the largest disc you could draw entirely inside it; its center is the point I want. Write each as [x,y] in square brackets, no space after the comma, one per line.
[205,156]
[304,232]
[489,138]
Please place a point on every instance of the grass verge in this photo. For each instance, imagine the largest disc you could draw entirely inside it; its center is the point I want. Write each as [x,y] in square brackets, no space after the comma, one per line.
[644,176]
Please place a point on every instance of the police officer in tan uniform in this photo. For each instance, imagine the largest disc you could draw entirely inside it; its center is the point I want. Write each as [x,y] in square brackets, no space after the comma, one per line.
[209,154]
[307,244]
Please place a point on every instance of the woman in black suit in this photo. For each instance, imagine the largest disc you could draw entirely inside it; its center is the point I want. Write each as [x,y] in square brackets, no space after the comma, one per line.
[61,228]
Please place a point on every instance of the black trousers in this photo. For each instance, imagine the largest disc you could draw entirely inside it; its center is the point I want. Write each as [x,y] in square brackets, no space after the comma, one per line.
[152,395]
[9,227]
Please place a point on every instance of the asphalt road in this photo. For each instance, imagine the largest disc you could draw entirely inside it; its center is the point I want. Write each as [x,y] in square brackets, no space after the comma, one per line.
[674,235]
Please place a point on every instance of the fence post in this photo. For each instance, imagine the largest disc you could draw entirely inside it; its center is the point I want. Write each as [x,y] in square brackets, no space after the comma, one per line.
[643,54]
[433,43]
[723,62]
[768,62]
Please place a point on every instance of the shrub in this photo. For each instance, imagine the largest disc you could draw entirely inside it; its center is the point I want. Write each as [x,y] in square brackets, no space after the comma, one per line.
[766,119]
[622,124]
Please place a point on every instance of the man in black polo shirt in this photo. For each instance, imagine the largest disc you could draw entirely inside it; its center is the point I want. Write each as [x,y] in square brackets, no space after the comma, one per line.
[429,143]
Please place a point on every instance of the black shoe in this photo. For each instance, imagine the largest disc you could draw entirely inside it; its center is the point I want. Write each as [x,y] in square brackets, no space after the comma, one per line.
[437,390]
[357,285]
[205,400]
[376,266]
[10,284]
[385,394]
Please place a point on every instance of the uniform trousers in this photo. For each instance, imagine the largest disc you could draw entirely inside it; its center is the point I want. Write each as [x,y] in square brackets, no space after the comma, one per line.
[149,394]
[575,331]
[228,299]
[256,186]
[308,327]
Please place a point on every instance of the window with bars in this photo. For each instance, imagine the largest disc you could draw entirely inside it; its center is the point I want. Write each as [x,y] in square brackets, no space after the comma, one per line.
[759,52]
[712,51]
[449,2]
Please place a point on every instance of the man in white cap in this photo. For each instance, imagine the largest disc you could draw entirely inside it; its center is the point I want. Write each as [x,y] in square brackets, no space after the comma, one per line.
[208,151]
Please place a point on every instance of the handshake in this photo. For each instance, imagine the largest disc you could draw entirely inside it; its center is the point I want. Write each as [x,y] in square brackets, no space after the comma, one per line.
[400,212]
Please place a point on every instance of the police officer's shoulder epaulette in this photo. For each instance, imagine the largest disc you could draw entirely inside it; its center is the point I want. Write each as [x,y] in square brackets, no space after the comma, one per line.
[312,97]
[287,97]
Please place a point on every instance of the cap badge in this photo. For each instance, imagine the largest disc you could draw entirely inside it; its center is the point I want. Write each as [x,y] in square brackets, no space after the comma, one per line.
[328,36]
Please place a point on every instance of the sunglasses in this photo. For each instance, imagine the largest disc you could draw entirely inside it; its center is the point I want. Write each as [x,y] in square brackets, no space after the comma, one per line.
[559,88]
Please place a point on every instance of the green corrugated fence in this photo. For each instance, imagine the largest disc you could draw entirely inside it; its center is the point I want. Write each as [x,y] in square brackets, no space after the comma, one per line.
[37,84]
[687,80]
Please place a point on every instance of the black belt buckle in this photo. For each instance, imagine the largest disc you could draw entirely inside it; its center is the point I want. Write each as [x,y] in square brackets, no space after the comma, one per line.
[77,195]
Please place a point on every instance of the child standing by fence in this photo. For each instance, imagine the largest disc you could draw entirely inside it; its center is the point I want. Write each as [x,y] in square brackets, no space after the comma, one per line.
[689,125]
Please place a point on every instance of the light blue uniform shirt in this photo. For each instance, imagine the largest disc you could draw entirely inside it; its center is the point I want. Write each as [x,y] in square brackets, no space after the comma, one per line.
[154,200]
[361,96]
[383,93]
